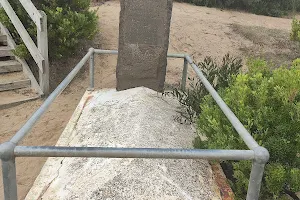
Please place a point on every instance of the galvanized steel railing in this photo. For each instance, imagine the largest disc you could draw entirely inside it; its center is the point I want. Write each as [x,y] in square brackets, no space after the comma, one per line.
[10,150]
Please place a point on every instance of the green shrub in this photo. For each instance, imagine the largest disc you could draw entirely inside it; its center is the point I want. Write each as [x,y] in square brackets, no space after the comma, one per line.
[218,75]
[69,23]
[268,104]
[21,51]
[295,32]
[263,7]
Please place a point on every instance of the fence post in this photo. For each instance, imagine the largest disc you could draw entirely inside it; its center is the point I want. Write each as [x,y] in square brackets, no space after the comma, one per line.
[184,74]
[42,41]
[261,158]
[9,171]
[92,70]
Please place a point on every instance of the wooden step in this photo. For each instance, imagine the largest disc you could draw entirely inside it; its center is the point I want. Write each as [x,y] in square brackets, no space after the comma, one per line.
[10,66]
[5,51]
[11,81]
[3,40]
[15,97]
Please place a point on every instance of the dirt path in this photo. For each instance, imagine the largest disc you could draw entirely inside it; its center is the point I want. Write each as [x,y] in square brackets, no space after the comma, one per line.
[195,30]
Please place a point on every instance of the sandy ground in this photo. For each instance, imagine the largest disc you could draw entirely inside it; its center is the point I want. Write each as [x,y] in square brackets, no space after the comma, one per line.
[198,31]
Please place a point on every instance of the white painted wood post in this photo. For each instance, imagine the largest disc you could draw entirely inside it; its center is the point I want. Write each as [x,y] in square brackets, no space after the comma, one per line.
[42,41]
[32,12]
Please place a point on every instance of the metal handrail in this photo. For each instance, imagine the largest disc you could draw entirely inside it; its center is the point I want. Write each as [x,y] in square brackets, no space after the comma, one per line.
[37,115]
[9,150]
[109,152]
[239,127]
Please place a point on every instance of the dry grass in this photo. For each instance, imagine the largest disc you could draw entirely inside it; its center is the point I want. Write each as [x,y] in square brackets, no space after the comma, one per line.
[271,44]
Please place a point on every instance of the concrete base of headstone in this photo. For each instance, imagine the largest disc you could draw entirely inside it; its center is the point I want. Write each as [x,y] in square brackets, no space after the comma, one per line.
[143,43]
[133,118]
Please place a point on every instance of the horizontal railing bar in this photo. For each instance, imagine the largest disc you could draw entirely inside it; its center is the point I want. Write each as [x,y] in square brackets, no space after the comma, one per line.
[37,115]
[239,127]
[108,152]
[176,55]
[115,52]
[100,51]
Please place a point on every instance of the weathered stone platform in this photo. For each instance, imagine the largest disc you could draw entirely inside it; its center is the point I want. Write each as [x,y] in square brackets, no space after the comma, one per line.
[138,117]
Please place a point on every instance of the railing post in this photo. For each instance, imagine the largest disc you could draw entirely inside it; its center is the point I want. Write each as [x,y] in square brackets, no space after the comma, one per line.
[261,158]
[9,171]
[42,41]
[92,70]
[184,74]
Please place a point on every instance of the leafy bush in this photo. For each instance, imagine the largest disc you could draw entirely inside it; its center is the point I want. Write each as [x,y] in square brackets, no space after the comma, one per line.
[295,32]
[218,75]
[69,22]
[263,7]
[268,104]
[21,51]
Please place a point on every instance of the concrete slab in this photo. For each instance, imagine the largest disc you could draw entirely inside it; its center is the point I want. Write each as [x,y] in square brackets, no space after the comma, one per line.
[138,117]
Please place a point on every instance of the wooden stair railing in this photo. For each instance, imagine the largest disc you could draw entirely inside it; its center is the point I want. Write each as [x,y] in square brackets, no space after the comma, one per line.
[38,52]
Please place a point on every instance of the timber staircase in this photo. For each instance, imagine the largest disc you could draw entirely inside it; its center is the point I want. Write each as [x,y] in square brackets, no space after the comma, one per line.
[17,83]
